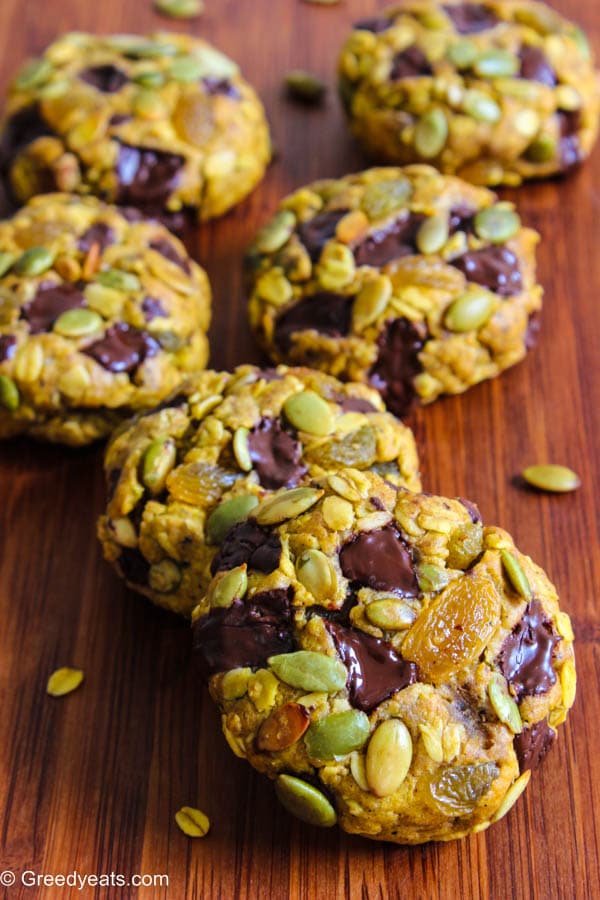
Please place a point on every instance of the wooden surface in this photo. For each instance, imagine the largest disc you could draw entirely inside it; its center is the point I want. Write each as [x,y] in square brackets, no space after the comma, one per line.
[91,782]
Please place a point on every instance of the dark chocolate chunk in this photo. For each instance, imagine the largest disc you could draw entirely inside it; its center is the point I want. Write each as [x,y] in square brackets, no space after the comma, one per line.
[397,363]
[245,634]
[153,309]
[269,374]
[376,24]
[99,233]
[8,346]
[107,78]
[461,218]
[324,312]
[526,654]
[315,232]
[50,301]
[222,86]
[532,745]
[250,543]
[495,267]
[390,243]
[354,404]
[275,455]
[134,567]
[20,130]
[375,670]
[166,249]
[570,148]
[146,176]
[471,18]
[535,66]
[380,560]
[410,63]
[472,509]
[119,119]
[123,348]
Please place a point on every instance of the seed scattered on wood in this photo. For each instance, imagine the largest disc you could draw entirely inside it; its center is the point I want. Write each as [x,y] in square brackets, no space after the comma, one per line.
[64,681]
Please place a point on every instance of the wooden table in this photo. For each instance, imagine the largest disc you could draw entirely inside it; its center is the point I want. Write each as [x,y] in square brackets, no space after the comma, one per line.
[91,783]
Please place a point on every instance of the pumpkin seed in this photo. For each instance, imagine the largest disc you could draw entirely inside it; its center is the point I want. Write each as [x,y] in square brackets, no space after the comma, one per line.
[240,449]
[515,574]
[568,683]
[462,54]
[304,86]
[305,801]
[192,822]
[310,671]
[76,323]
[164,577]
[229,587]
[512,795]
[370,302]
[357,768]
[34,261]
[581,40]
[504,706]
[431,133]
[124,532]
[179,9]
[557,479]
[187,69]
[496,63]
[143,49]
[149,79]
[7,260]
[74,381]
[497,223]
[481,107]
[388,758]
[308,412]
[276,233]
[34,74]
[433,234]
[286,505]
[228,514]
[337,734]
[315,572]
[64,681]
[383,197]
[432,578]
[235,683]
[338,514]
[119,280]
[9,394]
[149,104]
[157,462]
[391,615]
[470,311]
[283,728]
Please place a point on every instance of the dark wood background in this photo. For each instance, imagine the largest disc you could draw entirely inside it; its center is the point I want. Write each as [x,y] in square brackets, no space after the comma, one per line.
[92,782]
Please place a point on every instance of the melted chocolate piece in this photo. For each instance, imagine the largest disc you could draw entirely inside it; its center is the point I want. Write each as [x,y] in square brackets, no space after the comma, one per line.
[250,543]
[376,24]
[532,745]
[326,313]
[471,18]
[526,654]
[380,560]
[392,242]
[8,346]
[461,219]
[377,503]
[245,634]
[153,309]
[495,267]
[410,63]
[99,233]
[107,79]
[119,119]
[570,148]
[50,301]
[535,66]
[472,509]
[146,177]
[20,130]
[375,670]
[397,364]
[275,455]
[533,329]
[166,249]
[133,565]
[123,348]
[315,233]
[354,404]
[222,86]
[269,374]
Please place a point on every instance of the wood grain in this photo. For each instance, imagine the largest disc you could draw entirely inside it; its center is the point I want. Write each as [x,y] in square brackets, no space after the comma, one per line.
[92,782]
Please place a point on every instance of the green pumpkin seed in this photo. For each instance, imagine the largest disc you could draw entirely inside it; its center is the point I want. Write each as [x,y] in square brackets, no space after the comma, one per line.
[179,9]
[286,505]
[304,86]
[310,671]
[580,38]
[187,69]
[370,302]
[497,223]
[315,572]
[481,107]
[496,63]
[391,615]
[432,578]
[308,412]
[462,54]
[34,74]
[515,574]
[118,280]
[304,801]
[431,134]
[157,462]
[34,261]
[384,197]
[504,706]
[9,394]
[228,514]
[240,449]
[276,232]
[231,586]
[149,79]
[143,49]
[470,311]
[76,323]
[7,260]
[192,822]
[433,234]
[337,735]
[557,479]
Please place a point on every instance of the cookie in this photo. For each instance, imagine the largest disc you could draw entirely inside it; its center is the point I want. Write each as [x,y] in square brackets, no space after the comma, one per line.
[416,283]
[181,477]
[163,123]
[390,662]
[99,317]
[495,92]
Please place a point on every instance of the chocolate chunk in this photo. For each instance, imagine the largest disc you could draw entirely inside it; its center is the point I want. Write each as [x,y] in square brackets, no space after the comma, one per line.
[250,543]
[354,404]
[377,503]
[8,346]
[375,670]
[146,176]
[107,78]
[153,309]
[472,509]
[119,119]
[275,455]
[471,18]
[526,654]
[123,348]
[397,363]
[461,218]
[410,63]
[269,374]
[315,232]
[20,130]
[376,24]
[532,745]
[496,268]
[380,560]
[222,86]
[392,242]
[535,66]
[134,567]
[245,634]
[166,249]
[325,313]
[99,233]
[50,301]
[570,148]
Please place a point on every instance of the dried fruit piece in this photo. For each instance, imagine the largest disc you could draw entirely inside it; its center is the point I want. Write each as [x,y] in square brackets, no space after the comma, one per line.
[465,545]
[389,756]
[192,822]
[337,734]
[357,450]
[283,727]
[457,789]
[64,681]
[199,483]
[305,801]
